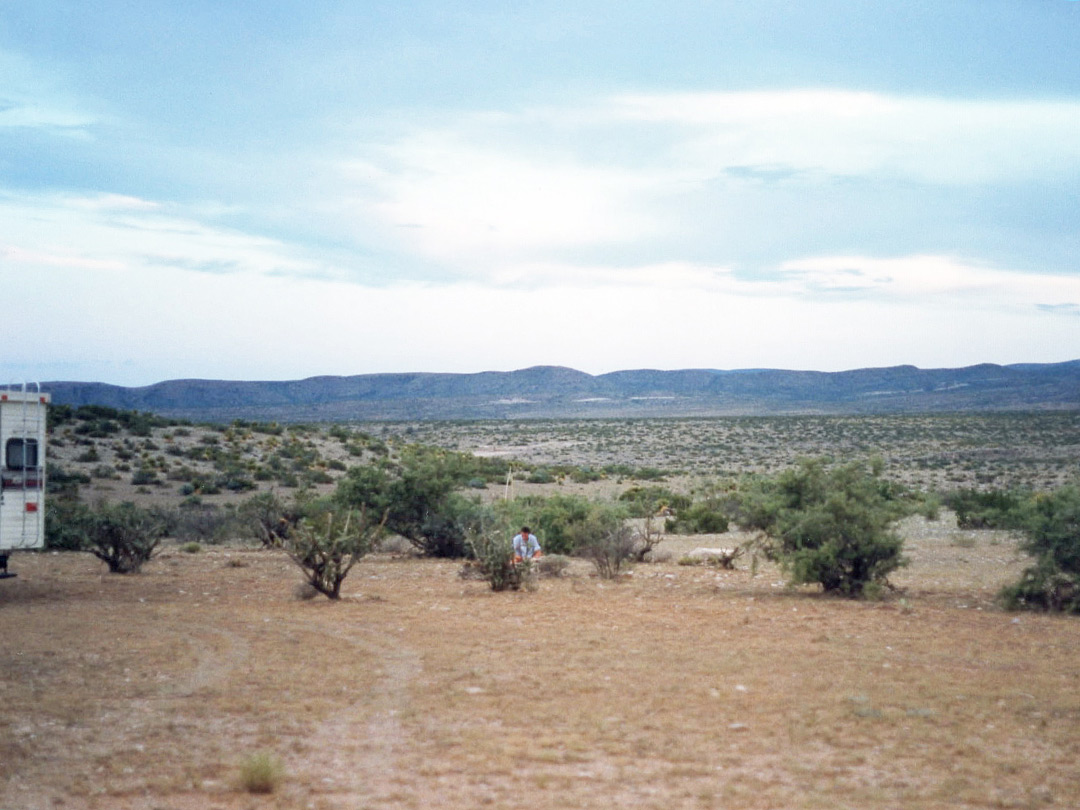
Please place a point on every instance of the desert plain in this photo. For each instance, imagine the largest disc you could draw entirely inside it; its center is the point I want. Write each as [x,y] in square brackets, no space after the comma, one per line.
[675,687]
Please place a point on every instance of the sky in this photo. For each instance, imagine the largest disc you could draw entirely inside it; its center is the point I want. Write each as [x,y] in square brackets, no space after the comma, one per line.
[268,190]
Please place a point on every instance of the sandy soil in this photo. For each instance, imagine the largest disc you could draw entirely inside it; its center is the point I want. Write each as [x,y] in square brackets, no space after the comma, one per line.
[679,687]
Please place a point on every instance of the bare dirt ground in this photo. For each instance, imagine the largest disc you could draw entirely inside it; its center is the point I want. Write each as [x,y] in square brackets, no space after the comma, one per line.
[679,687]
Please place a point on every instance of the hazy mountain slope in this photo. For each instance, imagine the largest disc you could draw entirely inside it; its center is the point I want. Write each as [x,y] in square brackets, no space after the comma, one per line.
[550,391]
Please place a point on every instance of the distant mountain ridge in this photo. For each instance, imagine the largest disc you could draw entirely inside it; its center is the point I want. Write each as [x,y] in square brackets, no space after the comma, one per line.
[558,392]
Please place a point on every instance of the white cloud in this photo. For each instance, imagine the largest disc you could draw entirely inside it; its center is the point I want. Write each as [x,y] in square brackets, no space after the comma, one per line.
[834,132]
[111,231]
[660,276]
[452,199]
[929,281]
[482,189]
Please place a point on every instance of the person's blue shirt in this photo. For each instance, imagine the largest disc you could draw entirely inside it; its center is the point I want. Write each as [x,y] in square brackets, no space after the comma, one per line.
[526,546]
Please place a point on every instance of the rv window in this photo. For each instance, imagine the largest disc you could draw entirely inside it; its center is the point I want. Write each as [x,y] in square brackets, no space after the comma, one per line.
[21,454]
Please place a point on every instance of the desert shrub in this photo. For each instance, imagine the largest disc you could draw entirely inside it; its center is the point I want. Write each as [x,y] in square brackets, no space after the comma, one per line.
[269,518]
[930,506]
[260,772]
[494,555]
[67,524]
[541,475]
[287,479]
[649,474]
[61,482]
[601,521]
[203,523]
[267,428]
[830,526]
[89,456]
[145,477]
[699,518]
[98,428]
[443,531]
[418,496]
[190,548]
[124,536]
[317,476]
[326,547]
[1052,537]
[646,501]
[57,415]
[563,523]
[609,550]
[234,479]
[990,509]
[585,475]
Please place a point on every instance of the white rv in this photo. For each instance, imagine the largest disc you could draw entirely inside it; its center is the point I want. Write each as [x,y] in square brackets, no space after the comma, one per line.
[22,471]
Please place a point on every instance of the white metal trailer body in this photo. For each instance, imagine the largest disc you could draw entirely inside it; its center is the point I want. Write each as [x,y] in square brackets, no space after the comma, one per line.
[22,471]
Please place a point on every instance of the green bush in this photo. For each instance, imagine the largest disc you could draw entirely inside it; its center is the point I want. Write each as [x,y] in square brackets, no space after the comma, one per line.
[830,526]
[145,477]
[991,509]
[649,474]
[562,523]
[1052,529]
[63,483]
[270,519]
[89,456]
[602,522]
[700,518]
[123,536]
[647,501]
[418,495]
[585,475]
[67,524]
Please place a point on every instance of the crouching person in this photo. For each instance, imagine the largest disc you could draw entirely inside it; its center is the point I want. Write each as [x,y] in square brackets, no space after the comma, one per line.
[526,546]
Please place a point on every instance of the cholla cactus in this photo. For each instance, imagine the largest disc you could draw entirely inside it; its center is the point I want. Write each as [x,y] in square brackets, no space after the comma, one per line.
[325,549]
[494,554]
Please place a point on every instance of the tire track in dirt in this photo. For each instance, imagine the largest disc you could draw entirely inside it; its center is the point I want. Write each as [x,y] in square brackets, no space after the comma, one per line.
[356,752]
[215,661]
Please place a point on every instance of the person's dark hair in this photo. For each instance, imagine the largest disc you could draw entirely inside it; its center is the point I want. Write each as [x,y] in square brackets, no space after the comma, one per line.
[526,530]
